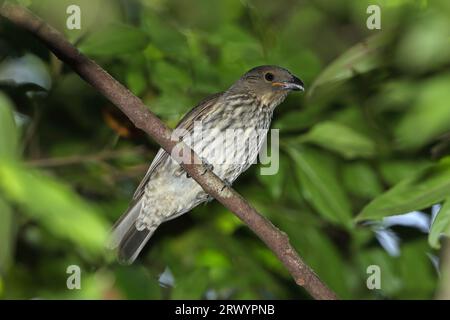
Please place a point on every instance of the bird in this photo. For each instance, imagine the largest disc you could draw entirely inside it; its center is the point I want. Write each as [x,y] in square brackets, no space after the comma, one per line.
[226,130]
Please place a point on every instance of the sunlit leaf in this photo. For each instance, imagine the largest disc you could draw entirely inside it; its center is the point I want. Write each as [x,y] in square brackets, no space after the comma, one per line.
[8,130]
[226,222]
[423,189]
[8,150]
[358,59]
[6,235]
[54,205]
[441,225]
[212,258]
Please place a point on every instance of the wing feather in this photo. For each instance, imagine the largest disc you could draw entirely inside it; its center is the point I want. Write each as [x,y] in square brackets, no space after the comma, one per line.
[186,123]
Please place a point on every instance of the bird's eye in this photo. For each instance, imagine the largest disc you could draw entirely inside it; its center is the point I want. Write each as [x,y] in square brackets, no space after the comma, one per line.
[269,76]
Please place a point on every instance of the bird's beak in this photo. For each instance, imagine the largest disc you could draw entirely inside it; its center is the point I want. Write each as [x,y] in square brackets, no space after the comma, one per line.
[294,84]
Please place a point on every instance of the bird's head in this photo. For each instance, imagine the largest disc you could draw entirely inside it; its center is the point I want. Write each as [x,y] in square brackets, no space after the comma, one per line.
[270,84]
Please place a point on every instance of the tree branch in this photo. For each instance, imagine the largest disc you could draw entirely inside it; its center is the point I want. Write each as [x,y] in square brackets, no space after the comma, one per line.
[145,120]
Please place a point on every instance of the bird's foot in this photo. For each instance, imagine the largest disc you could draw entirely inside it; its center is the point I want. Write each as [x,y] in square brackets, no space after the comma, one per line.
[226,184]
[207,166]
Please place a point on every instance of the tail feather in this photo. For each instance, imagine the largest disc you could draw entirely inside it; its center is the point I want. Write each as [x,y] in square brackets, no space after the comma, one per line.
[121,227]
[129,240]
[133,243]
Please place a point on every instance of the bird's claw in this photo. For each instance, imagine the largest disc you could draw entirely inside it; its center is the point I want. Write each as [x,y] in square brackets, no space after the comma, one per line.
[207,166]
[226,184]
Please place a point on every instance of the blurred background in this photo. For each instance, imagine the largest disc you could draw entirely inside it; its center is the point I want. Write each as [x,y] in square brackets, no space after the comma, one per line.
[364,153]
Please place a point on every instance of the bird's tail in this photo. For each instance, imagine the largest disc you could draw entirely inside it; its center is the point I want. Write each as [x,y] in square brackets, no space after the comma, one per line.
[126,238]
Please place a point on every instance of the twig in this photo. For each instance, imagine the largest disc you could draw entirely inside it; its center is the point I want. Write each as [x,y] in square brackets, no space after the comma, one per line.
[145,120]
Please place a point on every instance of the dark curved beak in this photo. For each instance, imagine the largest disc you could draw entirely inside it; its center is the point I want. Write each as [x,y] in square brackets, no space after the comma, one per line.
[294,84]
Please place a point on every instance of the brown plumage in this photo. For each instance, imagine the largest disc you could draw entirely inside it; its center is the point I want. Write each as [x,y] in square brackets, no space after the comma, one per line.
[226,130]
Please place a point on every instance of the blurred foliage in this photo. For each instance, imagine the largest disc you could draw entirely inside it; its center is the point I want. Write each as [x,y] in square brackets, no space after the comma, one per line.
[369,139]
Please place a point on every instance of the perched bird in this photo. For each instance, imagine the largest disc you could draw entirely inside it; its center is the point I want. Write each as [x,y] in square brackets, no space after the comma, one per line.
[166,192]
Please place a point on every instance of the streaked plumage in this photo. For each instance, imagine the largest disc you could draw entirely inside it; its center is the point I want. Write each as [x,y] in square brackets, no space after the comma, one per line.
[166,192]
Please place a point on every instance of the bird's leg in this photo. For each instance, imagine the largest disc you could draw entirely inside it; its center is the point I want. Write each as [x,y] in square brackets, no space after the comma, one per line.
[226,183]
[208,166]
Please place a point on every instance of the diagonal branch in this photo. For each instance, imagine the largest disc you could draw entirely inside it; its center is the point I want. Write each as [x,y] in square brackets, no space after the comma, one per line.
[145,120]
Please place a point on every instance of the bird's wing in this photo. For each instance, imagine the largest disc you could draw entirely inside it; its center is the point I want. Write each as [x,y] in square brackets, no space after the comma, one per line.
[185,123]
[125,235]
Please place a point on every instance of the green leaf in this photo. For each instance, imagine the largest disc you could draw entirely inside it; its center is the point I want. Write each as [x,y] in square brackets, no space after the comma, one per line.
[297,120]
[393,171]
[165,37]
[423,189]
[415,267]
[411,275]
[354,118]
[341,139]
[135,282]
[430,114]
[136,81]
[441,225]
[274,183]
[212,258]
[425,44]
[115,39]
[25,3]
[54,205]
[227,223]
[6,235]
[391,282]
[8,130]
[360,58]
[319,252]
[190,286]
[361,180]
[170,78]
[320,185]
